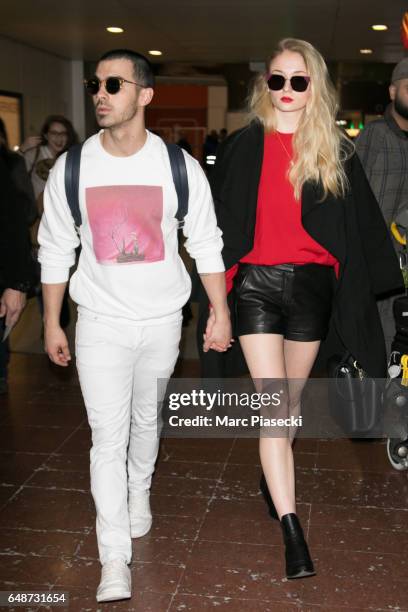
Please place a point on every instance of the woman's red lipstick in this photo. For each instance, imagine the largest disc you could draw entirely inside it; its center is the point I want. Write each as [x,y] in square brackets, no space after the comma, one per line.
[286,99]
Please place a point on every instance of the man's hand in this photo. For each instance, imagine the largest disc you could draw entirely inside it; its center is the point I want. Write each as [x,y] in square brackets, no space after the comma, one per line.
[218,333]
[56,345]
[12,305]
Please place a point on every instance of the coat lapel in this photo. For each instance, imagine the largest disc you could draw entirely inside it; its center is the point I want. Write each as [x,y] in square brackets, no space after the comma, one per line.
[252,167]
[324,220]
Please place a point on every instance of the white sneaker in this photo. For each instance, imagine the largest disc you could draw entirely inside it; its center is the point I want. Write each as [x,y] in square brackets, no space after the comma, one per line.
[139,513]
[115,581]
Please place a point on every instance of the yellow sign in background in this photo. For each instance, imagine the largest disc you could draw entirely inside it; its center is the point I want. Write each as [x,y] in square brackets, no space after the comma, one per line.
[10,113]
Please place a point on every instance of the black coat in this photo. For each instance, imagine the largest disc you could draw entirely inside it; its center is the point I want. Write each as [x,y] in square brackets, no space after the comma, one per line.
[350,228]
[16,265]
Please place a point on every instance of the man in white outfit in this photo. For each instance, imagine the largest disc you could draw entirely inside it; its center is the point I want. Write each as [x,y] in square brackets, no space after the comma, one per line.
[130,286]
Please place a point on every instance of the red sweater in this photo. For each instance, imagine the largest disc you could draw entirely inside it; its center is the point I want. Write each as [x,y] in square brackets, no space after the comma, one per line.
[279,234]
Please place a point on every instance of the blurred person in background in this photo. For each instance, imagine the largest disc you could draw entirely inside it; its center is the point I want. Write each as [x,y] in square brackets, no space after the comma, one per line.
[16,193]
[18,174]
[57,135]
[210,151]
[16,269]
[184,143]
[383,149]
[223,135]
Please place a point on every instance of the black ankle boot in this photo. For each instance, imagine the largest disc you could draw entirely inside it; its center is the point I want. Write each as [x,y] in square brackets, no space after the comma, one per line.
[298,561]
[267,497]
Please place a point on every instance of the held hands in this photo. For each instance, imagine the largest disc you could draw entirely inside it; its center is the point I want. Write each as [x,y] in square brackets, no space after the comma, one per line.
[56,345]
[218,333]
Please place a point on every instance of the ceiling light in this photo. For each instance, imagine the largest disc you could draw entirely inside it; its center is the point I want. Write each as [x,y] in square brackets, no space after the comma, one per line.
[366,51]
[115,30]
[379,27]
[155,52]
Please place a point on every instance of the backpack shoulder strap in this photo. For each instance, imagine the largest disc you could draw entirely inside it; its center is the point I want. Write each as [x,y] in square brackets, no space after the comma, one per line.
[72,169]
[179,172]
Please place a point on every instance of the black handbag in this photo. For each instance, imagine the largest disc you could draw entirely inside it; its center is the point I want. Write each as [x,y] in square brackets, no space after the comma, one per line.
[355,400]
[400,311]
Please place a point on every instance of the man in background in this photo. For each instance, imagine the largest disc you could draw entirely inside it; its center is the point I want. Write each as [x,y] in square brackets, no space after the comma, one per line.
[16,269]
[383,149]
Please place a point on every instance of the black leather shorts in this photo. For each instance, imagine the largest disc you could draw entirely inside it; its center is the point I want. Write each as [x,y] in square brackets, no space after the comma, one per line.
[292,300]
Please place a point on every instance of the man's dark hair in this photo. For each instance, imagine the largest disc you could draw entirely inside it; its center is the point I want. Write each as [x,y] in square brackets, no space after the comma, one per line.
[142,68]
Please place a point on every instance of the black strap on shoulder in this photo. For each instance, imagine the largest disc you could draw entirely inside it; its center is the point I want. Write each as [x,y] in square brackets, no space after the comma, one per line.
[179,172]
[72,169]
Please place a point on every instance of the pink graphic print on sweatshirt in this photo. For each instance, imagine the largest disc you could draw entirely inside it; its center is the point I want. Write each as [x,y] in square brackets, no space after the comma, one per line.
[125,222]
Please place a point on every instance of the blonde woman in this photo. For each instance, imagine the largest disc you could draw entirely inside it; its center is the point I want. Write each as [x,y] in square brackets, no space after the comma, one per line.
[304,244]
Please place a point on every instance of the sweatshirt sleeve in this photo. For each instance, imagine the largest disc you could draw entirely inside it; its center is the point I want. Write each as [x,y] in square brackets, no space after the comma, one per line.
[57,236]
[204,242]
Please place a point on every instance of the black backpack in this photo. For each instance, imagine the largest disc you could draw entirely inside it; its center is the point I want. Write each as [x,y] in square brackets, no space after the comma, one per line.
[178,170]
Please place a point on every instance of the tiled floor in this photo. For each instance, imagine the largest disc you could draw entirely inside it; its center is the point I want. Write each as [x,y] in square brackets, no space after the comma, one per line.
[212,545]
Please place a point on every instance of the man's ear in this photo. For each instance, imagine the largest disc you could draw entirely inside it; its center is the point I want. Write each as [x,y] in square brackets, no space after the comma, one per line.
[146,96]
[393,90]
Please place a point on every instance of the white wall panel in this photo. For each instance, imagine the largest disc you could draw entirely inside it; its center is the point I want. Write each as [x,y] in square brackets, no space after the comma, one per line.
[44,80]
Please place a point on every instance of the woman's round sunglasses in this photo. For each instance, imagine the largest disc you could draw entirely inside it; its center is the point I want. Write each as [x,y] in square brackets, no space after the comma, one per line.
[112,84]
[276,82]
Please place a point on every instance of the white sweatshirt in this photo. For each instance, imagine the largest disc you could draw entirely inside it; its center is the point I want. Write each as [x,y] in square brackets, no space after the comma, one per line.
[129,267]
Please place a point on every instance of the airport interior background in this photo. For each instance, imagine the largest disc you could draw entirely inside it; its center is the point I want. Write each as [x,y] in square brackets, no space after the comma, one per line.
[212,545]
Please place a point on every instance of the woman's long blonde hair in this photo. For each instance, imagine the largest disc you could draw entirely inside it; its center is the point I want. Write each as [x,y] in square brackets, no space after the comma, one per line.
[319,146]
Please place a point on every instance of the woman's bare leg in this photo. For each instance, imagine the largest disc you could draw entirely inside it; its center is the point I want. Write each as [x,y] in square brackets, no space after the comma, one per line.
[299,360]
[264,355]
[269,356]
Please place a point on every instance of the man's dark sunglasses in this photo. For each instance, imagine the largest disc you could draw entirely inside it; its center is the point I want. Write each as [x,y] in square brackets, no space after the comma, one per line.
[112,84]
[276,82]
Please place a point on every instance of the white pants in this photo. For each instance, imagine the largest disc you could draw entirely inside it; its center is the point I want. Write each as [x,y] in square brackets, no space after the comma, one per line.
[118,366]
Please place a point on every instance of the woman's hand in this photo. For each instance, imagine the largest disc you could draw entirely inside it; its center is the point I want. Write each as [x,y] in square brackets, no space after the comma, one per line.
[30,143]
[218,333]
